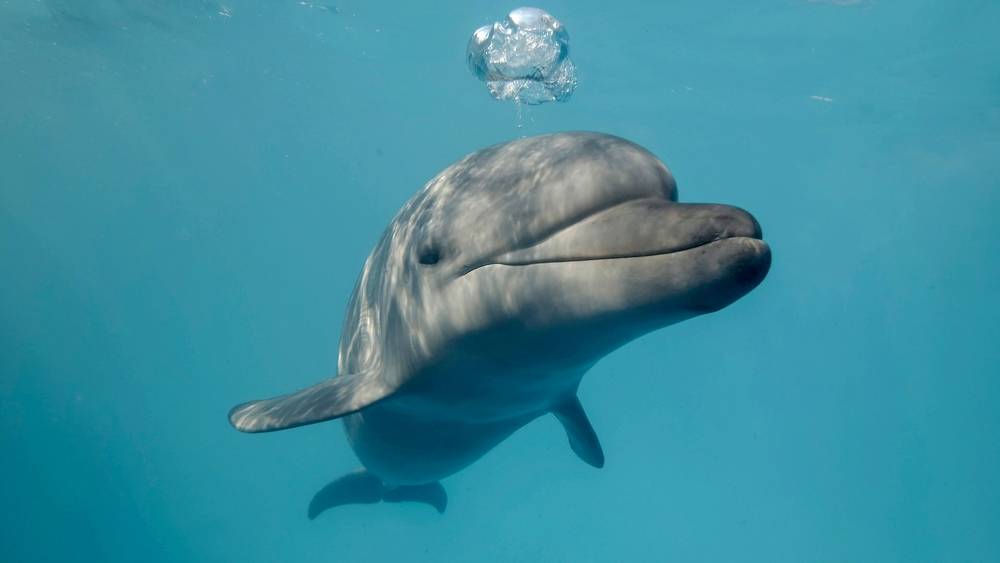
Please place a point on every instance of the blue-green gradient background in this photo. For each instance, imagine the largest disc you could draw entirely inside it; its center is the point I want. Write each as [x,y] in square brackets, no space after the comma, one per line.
[188,189]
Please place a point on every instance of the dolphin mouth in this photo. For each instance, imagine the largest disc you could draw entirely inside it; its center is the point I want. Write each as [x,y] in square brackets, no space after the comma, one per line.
[636,229]
[557,260]
[753,246]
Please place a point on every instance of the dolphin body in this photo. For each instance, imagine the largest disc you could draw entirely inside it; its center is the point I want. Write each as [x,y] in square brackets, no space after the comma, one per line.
[492,292]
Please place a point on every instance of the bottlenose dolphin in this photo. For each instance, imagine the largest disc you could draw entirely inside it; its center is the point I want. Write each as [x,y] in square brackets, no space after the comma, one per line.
[491,293]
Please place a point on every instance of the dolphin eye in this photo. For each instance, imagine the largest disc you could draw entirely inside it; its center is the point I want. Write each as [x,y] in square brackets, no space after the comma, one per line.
[429,256]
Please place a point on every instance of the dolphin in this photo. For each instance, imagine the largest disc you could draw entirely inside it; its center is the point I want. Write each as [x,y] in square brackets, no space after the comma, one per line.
[493,291]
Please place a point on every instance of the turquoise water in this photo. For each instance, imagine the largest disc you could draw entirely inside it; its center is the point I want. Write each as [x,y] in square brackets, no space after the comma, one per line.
[188,190]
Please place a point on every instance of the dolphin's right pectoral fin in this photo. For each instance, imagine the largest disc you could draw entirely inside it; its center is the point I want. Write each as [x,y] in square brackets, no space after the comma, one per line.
[582,438]
[333,398]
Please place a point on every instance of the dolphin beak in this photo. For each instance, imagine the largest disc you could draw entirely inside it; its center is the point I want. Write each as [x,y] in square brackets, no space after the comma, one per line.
[628,269]
[643,227]
[647,254]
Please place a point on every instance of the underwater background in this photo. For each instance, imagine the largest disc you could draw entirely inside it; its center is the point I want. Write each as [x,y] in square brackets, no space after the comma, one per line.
[188,190]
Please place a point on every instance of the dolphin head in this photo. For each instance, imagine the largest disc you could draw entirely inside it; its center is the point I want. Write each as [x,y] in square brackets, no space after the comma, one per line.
[551,250]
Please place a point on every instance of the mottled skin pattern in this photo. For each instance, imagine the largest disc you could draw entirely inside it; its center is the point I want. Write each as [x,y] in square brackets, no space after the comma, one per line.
[499,284]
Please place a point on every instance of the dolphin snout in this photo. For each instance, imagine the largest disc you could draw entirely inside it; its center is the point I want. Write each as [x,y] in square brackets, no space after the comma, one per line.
[726,270]
[707,222]
[642,227]
[740,223]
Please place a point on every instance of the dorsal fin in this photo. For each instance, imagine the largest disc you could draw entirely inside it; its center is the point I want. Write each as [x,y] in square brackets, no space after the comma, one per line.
[582,437]
[333,398]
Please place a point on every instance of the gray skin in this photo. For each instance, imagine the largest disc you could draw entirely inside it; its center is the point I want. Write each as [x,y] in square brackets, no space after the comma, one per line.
[494,290]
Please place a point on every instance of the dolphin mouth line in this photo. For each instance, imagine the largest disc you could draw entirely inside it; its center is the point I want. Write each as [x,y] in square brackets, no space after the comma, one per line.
[558,260]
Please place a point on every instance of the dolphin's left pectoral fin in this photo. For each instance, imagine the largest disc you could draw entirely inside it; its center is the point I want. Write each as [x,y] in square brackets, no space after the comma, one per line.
[333,398]
[582,437]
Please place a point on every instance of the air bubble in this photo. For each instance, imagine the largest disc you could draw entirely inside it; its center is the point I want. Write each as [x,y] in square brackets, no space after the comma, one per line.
[524,58]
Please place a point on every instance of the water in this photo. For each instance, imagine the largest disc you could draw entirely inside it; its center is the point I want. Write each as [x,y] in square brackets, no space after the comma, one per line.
[188,190]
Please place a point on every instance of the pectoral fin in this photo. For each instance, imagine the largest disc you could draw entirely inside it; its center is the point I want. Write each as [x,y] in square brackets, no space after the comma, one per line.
[333,398]
[582,437]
